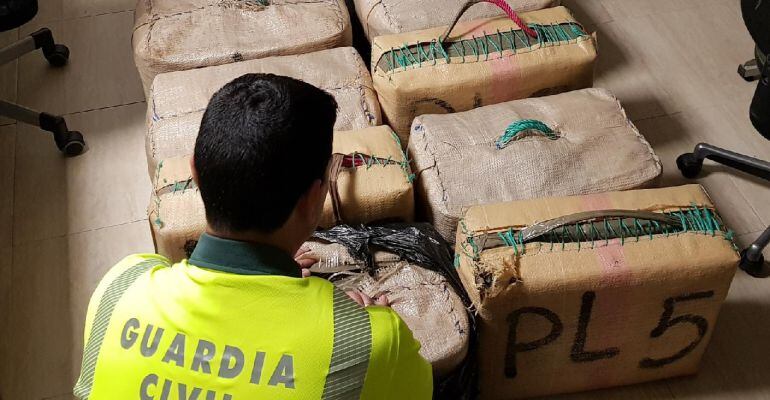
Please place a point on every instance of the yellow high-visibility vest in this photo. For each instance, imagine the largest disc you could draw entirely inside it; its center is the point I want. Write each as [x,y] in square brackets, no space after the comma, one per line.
[237,322]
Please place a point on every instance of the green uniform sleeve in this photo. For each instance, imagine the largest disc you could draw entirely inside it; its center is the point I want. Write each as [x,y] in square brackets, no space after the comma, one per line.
[396,368]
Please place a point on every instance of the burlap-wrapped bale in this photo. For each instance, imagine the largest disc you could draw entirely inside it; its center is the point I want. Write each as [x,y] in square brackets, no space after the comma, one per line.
[482,62]
[370,179]
[175,106]
[586,145]
[386,17]
[173,35]
[422,298]
[372,183]
[585,292]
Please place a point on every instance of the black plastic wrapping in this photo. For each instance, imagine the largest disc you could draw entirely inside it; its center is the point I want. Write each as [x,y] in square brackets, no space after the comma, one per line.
[421,245]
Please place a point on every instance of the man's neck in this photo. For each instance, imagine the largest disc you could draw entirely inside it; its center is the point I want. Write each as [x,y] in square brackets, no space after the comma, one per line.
[278,239]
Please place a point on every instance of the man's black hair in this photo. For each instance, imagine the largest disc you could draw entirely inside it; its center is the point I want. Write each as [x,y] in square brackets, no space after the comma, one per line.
[263,140]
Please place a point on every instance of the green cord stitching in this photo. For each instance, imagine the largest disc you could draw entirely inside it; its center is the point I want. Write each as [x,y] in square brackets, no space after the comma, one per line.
[692,220]
[415,54]
[517,129]
[157,221]
[404,164]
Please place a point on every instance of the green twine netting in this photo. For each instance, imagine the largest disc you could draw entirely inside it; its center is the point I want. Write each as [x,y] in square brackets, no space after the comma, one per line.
[515,130]
[404,164]
[477,48]
[157,219]
[700,220]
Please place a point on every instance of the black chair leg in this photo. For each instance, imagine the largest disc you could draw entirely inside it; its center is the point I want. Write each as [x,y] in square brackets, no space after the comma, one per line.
[71,143]
[749,71]
[690,164]
[752,259]
[56,54]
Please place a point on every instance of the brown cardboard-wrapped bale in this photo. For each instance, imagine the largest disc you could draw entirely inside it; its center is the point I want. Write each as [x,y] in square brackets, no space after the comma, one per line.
[176,213]
[423,298]
[372,180]
[373,183]
[174,35]
[585,292]
[175,106]
[593,147]
[386,17]
[482,62]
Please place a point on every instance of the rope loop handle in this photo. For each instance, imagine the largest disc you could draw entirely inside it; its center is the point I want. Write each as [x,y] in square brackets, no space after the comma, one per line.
[499,3]
[515,129]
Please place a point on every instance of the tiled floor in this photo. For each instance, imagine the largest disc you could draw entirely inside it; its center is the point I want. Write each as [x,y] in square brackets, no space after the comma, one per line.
[63,222]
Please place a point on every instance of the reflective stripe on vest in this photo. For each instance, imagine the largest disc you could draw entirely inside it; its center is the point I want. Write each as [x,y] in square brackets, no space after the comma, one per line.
[107,304]
[350,352]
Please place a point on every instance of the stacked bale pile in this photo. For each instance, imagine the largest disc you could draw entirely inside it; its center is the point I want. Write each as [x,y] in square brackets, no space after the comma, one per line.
[537,271]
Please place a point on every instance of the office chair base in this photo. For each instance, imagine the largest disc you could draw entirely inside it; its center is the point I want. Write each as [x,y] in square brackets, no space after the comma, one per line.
[691,164]
[71,143]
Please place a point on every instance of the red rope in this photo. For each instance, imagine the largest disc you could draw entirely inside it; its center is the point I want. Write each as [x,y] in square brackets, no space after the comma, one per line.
[513,16]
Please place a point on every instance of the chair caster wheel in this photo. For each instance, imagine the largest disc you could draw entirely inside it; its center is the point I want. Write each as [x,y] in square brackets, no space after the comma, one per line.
[689,165]
[71,143]
[753,268]
[59,56]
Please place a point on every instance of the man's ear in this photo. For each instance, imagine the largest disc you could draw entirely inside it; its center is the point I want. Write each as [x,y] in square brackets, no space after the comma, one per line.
[314,198]
[193,170]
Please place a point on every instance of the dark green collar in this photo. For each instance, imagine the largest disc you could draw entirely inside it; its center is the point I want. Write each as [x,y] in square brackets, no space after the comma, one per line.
[242,258]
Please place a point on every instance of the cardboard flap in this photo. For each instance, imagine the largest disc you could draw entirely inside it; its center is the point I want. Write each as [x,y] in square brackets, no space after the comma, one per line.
[378,141]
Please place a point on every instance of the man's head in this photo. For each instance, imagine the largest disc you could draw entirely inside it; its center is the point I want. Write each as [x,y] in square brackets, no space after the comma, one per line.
[262,153]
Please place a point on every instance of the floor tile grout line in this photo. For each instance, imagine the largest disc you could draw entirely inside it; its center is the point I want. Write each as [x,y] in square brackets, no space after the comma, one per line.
[104,108]
[70,19]
[96,15]
[28,242]
[746,199]
[13,163]
[651,117]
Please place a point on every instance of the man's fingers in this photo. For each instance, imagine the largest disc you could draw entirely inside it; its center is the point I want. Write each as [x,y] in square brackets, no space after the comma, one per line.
[383,301]
[301,251]
[364,300]
[303,259]
[305,273]
[356,296]
[367,300]
[306,262]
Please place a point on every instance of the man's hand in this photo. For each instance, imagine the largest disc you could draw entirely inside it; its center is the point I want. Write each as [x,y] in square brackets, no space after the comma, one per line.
[363,300]
[304,262]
